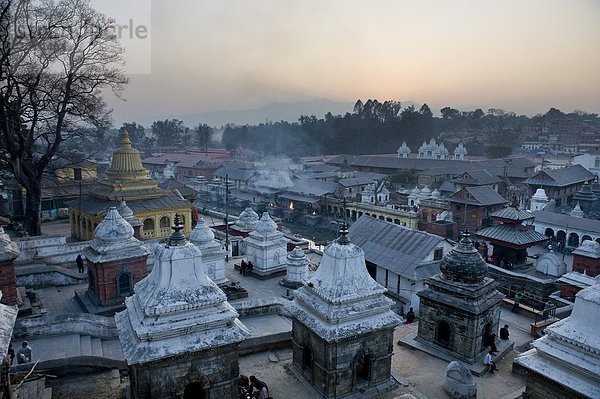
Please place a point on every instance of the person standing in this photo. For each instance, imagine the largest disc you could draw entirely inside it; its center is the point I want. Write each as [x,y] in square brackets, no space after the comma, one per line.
[504,334]
[24,355]
[79,262]
[410,316]
[11,353]
[517,302]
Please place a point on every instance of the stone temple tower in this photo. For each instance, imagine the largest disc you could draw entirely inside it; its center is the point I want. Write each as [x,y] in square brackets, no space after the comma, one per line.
[461,305]
[179,335]
[343,327]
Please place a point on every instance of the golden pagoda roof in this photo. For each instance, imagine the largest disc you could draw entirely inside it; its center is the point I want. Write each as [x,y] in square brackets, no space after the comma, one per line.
[126,162]
[126,178]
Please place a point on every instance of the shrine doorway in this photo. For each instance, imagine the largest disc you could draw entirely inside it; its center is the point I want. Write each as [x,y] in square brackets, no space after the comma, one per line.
[363,368]
[443,333]
[194,390]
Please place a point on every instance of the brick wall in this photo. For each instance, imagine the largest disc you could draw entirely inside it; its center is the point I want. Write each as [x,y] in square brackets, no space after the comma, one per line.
[8,282]
[590,266]
[103,278]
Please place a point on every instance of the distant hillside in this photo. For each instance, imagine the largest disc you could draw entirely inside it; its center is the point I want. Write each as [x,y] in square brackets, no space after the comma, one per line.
[276,111]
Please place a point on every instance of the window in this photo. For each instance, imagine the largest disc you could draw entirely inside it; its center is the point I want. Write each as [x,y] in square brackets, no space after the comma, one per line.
[124,283]
[438,253]
[597,163]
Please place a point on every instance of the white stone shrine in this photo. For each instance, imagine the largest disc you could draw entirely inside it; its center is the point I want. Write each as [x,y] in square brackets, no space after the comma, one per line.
[179,335]
[247,221]
[297,268]
[343,327]
[539,200]
[565,362]
[404,151]
[266,248]
[213,253]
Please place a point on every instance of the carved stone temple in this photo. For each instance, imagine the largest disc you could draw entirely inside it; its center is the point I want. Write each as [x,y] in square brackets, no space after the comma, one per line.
[179,335]
[266,248]
[343,327]
[461,306]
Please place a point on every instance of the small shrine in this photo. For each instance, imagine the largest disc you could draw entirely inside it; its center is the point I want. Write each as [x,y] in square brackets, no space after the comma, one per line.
[246,223]
[9,252]
[179,335]
[539,200]
[511,237]
[127,214]
[213,254]
[563,364]
[297,268]
[461,306]
[460,152]
[116,262]
[266,248]
[585,198]
[343,327]
[403,151]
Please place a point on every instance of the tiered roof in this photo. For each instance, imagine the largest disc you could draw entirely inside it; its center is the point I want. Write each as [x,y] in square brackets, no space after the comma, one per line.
[341,300]
[177,309]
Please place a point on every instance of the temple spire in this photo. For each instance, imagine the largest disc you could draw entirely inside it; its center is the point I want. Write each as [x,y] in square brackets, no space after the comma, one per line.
[177,237]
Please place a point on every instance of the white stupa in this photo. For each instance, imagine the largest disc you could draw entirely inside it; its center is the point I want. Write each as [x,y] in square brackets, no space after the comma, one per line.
[113,240]
[297,268]
[569,352]
[414,197]
[539,200]
[577,212]
[213,254]
[127,214]
[266,247]
[341,318]
[246,221]
[176,309]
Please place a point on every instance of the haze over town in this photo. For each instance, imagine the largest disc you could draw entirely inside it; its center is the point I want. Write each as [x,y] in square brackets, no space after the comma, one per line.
[207,56]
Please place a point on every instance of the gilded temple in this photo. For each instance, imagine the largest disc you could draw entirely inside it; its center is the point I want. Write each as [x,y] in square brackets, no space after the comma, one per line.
[128,180]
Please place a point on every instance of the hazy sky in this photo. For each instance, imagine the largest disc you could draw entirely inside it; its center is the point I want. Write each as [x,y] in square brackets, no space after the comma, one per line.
[524,56]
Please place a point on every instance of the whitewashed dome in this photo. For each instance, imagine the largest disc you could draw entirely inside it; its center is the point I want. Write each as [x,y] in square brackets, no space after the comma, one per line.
[415,191]
[540,194]
[550,264]
[426,192]
[127,214]
[247,220]
[113,228]
[202,234]
[266,225]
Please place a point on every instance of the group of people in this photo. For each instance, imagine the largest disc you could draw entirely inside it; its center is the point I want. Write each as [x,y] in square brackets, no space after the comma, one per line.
[488,360]
[246,268]
[23,356]
[252,388]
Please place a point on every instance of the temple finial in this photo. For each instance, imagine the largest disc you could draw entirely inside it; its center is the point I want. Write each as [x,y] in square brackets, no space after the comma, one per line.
[177,237]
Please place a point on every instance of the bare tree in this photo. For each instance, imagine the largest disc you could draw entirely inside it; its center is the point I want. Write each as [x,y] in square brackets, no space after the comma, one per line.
[55,58]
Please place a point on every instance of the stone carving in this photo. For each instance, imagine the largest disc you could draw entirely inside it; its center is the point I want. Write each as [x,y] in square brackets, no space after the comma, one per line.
[459,383]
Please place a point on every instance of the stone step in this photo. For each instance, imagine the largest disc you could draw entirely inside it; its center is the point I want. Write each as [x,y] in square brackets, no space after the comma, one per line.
[96,346]
[85,345]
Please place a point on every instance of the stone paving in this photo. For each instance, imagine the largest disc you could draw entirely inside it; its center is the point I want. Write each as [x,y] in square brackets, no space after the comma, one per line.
[420,374]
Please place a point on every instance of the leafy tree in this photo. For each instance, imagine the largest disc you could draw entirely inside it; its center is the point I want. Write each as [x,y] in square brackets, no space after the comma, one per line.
[449,113]
[204,136]
[169,132]
[55,58]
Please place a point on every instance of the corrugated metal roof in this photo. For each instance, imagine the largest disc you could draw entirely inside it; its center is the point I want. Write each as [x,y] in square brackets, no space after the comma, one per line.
[512,213]
[478,195]
[561,177]
[396,248]
[518,235]
[566,221]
